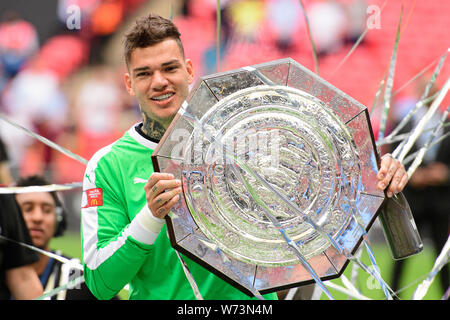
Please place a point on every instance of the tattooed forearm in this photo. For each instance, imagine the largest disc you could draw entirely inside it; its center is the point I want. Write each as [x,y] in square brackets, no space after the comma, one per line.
[152,128]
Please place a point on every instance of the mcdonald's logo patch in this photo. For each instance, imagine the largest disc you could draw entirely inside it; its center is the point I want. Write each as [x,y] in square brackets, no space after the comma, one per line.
[94,197]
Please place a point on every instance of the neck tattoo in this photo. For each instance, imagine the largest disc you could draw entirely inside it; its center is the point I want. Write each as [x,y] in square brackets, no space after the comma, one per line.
[152,128]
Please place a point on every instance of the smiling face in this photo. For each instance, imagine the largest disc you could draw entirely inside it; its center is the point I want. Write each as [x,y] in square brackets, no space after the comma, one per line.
[39,213]
[159,77]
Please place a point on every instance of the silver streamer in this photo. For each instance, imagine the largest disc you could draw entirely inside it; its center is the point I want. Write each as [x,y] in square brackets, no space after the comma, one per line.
[45,140]
[420,126]
[47,188]
[442,259]
[424,149]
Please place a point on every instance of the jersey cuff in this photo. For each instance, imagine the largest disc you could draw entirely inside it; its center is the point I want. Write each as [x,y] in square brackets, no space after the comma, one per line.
[145,227]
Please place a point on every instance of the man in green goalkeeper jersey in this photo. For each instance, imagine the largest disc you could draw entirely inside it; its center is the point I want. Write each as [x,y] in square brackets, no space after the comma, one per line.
[124,237]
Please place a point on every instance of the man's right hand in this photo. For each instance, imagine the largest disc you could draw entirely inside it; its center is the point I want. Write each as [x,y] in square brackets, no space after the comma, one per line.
[162,192]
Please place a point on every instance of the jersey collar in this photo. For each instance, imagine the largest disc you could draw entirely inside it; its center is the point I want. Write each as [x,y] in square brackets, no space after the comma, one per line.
[140,139]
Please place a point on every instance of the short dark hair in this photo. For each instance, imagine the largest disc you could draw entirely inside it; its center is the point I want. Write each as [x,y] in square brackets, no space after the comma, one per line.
[148,31]
[37,180]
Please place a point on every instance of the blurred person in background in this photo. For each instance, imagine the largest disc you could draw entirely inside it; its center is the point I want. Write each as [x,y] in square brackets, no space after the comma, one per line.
[18,279]
[45,219]
[328,21]
[5,173]
[98,107]
[18,42]
[286,22]
[356,20]
[34,100]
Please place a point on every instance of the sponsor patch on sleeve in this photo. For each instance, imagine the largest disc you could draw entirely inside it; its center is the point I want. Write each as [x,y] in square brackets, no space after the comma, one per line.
[92,198]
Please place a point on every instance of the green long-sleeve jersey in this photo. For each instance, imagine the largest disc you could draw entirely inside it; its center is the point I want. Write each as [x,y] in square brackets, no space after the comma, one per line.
[116,248]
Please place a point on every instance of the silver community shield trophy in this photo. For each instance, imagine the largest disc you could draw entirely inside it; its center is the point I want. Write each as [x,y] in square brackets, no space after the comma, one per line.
[278,169]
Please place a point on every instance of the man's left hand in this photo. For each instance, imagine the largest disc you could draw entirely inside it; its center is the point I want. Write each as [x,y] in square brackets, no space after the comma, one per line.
[392,175]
